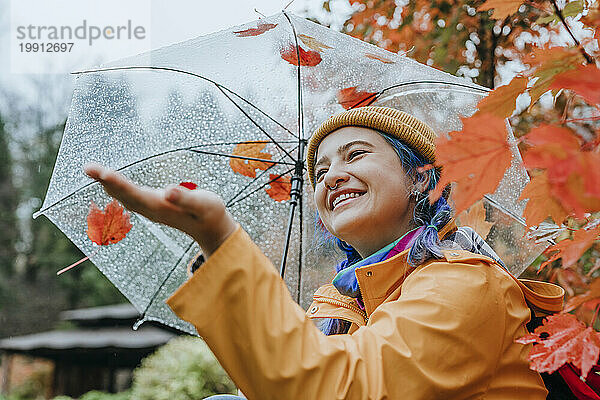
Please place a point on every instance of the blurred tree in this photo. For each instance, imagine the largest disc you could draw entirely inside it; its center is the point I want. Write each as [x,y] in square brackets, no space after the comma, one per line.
[447,34]
[8,206]
[28,281]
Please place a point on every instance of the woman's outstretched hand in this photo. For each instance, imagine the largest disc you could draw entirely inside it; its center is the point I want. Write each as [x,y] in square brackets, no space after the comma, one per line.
[199,213]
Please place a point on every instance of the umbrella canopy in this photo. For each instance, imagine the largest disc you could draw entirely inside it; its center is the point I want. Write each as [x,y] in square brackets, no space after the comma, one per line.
[178,113]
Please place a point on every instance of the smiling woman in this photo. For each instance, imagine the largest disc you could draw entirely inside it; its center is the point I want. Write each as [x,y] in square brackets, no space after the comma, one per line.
[419,309]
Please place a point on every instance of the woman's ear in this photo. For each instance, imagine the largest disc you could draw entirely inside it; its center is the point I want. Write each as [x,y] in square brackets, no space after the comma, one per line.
[422,182]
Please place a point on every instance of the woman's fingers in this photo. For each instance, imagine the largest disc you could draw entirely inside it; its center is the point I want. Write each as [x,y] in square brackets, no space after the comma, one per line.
[199,213]
[145,201]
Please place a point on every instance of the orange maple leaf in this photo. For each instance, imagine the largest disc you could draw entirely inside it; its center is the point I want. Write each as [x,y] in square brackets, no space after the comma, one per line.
[562,339]
[546,64]
[502,100]
[108,226]
[475,218]
[475,158]
[585,81]
[573,175]
[350,97]
[251,150]
[571,250]
[313,43]
[541,202]
[379,58]
[308,58]
[280,187]
[259,30]
[593,293]
[502,8]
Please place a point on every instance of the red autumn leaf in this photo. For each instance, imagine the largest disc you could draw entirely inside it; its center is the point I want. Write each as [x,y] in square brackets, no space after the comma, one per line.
[280,187]
[352,98]
[475,158]
[250,150]
[502,8]
[585,81]
[502,100]
[188,185]
[541,203]
[560,340]
[546,64]
[571,250]
[573,175]
[308,58]
[474,217]
[592,294]
[379,58]
[260,29]
[108,226]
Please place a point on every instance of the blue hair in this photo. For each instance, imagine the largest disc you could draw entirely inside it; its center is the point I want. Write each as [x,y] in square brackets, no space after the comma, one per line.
[433,216]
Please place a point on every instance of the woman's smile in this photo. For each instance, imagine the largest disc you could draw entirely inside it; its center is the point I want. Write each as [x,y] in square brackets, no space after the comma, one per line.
[343,197]
[361,189]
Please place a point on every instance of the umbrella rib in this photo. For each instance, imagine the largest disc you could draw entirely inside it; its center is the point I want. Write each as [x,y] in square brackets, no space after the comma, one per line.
[244,142]
[189,148]
[259,188]
[375,96]
[166,279]
[255,123]
[171,69]
[241,157]
[299,79]
[250,183]
[260,111]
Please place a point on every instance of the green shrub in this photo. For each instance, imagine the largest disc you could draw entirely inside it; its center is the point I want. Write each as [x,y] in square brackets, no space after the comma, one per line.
[96,395]
[183,369]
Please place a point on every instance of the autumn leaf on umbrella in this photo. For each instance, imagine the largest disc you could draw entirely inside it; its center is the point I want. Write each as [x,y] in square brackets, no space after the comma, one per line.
[280,187]
[474,217]
[541,203]
[477,170]
[351,97]
[109,226]
[260,29]
[562,339]
[313,43]
[251,158]
[104,227]
[308,58]
[379,58]
[189,185]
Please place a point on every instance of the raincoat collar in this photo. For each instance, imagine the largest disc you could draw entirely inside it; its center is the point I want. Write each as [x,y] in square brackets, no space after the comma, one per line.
[345,281]
[378,280]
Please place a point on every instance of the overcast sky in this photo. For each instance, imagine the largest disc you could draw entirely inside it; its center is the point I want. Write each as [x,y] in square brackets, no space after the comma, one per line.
[165,22]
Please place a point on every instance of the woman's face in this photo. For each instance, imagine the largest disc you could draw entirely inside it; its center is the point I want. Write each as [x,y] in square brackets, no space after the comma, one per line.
[369,205]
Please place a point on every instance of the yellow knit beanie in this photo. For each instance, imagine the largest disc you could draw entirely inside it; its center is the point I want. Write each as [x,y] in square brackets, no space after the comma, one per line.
[415,133]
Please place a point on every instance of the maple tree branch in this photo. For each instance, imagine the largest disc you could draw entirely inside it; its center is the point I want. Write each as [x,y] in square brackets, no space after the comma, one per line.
[596,118]
[560,15]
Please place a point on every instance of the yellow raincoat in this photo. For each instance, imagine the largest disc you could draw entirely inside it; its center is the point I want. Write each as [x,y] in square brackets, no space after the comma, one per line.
[445,330]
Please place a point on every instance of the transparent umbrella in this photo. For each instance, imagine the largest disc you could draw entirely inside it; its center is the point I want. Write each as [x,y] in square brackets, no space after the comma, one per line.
[183,112]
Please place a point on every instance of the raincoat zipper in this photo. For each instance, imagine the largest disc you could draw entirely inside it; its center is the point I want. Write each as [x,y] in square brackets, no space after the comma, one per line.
[342,304]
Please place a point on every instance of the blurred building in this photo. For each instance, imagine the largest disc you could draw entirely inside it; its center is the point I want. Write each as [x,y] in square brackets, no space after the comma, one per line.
[99,351]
